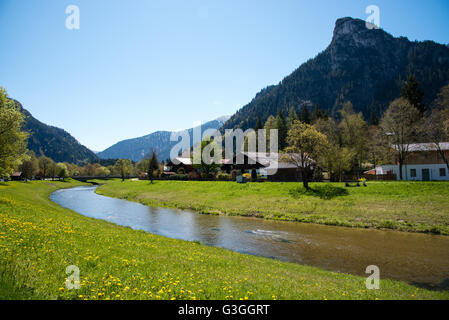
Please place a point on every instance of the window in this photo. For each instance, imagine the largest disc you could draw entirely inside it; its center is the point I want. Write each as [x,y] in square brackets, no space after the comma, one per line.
[442,172]
[413,173]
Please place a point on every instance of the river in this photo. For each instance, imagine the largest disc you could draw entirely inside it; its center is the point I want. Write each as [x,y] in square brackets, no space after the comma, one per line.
[419,259]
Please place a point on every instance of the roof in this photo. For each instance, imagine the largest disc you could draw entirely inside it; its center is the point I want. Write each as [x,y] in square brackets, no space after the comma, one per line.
[16,174]
[181,160]
[270,160]
[188,161]
[417,147]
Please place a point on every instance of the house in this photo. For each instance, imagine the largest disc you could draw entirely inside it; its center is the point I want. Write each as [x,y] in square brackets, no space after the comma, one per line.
[16,176]
[267,164]
[423,163]
[179,163]
[183,162]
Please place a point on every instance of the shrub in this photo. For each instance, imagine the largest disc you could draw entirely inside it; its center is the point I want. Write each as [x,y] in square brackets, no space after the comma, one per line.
[181,171]
[223,176]
[192,175]
[178,177]
[234,174]
[325,192]
[253,175]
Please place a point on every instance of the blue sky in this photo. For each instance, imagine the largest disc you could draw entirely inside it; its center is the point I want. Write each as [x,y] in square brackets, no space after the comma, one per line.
[138,66]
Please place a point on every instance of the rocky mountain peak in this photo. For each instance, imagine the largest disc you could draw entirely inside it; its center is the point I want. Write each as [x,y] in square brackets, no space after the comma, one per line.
[352,31]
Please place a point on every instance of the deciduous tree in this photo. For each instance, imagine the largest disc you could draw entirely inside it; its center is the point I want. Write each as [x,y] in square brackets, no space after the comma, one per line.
[44,165]
[401,122]
[436,126]
[124,167]
[13,141]
[305,145]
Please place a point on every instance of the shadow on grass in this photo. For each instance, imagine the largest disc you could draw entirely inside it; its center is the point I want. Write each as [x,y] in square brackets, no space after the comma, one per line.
[442,286]
[325,192]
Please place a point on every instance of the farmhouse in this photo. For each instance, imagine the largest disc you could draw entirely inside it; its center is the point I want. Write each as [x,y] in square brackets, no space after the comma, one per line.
[266,164]
[16,176]
[424,163]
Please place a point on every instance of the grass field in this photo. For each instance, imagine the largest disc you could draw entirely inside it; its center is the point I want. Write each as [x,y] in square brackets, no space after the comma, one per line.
[39,239]
[405,206]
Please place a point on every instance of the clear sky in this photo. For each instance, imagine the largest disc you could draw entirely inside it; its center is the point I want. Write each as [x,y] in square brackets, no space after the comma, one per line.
[138,66]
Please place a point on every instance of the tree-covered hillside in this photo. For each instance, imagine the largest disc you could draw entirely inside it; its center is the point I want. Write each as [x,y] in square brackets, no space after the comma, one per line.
[364,66]
[53,142]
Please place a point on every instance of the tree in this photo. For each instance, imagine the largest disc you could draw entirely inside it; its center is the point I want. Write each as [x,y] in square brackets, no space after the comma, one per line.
[318,113]
[13,141]
[63,171]
[258,124]
[44,165]
[378,149]
[269,125]
[305,146]
[52,170]
[304,116]
[29,167]
[436,126]
[258,127]
[412,92]
[124,167]
[400,122]
[373,120]
[150,164]
[292,117]
[208,148]
[281,125]
[336,158]
[353,132]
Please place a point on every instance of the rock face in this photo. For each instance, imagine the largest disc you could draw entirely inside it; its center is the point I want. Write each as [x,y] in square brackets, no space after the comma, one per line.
[136,149]
[363,65]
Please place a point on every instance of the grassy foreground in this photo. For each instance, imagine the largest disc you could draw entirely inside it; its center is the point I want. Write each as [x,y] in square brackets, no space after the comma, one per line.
[39,239]
[405,206]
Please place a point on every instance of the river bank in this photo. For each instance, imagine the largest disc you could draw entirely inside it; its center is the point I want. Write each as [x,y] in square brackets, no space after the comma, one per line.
[39,239]
[403,206]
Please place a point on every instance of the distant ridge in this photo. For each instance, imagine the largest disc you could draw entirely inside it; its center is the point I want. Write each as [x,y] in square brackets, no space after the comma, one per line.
[137,148]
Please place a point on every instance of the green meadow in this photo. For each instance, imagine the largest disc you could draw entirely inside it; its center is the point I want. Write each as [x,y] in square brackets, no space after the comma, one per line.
[404,206]
[39,239]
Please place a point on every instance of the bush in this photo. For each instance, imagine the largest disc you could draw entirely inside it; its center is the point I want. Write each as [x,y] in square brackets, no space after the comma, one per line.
[178,177]
[325,192]
[207,176]
[223,176]
[253,175]
[181,171]
[192,175]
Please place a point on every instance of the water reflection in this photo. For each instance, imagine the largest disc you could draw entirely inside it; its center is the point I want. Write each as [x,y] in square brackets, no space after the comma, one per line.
[416,258]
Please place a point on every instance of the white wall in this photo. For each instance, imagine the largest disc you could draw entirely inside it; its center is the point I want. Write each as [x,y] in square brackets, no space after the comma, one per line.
[433,168]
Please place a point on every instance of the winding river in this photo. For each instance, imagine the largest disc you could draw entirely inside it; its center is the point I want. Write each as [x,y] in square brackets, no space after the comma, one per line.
[419,259]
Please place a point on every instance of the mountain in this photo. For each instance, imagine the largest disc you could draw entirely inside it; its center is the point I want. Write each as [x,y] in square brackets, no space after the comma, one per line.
[361,65]
[53,142]
[136,149]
